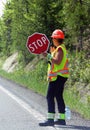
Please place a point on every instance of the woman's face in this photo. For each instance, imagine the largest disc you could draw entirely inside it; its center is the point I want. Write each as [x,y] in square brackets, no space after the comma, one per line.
[55,42]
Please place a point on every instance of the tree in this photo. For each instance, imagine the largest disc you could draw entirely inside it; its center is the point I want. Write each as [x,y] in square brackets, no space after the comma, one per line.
[50,15]
[6,30]
[77,19]
[23,17]
[29,16]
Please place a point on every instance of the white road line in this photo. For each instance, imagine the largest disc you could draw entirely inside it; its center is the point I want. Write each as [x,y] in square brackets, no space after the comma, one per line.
[27,107]
[23,104]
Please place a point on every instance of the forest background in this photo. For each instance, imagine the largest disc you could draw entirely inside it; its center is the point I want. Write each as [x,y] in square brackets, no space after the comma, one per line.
[21,18]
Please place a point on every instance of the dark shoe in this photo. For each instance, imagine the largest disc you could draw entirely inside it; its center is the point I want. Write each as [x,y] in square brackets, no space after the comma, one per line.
[60,122]
[47,123]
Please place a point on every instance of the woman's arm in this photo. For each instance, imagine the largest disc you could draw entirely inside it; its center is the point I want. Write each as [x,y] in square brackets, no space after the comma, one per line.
[58,57]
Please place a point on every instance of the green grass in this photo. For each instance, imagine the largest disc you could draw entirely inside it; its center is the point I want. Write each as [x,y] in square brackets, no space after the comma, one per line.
[76,106]
[28,80]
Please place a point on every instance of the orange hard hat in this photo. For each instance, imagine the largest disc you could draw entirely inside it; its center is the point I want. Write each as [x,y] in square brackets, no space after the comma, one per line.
[58,34]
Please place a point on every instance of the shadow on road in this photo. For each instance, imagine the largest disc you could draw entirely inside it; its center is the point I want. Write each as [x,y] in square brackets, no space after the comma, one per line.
[75,127]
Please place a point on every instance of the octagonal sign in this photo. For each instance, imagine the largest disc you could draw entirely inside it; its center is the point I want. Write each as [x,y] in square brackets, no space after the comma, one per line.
[37,43]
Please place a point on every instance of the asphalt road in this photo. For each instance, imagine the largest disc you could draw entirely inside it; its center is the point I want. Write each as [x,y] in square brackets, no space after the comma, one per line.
[22,109]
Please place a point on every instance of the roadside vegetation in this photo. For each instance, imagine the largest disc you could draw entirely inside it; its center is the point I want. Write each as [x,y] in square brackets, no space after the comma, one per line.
[24,17]
[36,79]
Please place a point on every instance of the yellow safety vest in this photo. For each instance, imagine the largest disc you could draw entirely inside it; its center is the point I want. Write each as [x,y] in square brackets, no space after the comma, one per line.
[61,69]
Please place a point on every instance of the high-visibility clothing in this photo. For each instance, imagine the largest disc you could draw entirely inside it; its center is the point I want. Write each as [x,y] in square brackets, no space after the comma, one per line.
[61,116]
[50,115]
[61,69]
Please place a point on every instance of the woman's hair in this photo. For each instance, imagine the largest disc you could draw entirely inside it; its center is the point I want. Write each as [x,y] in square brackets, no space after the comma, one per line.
[60,40]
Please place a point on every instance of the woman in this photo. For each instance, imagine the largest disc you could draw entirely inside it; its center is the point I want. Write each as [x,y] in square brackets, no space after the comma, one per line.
[57,75]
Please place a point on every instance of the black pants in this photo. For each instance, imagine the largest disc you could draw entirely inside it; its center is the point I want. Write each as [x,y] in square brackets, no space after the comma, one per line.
[55,90]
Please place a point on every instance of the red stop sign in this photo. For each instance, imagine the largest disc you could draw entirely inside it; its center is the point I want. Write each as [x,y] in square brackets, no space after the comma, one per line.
[37,43]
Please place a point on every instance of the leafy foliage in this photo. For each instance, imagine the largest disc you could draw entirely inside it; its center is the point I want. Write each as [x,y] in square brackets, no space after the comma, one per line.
[79,68]
[21,18]
[77,19]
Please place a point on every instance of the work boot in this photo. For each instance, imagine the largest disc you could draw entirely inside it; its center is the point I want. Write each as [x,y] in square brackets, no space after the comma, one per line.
[49,122]
[60,122]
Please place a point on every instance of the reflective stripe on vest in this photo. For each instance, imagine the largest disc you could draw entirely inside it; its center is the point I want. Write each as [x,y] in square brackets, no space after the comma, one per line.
[55,74]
